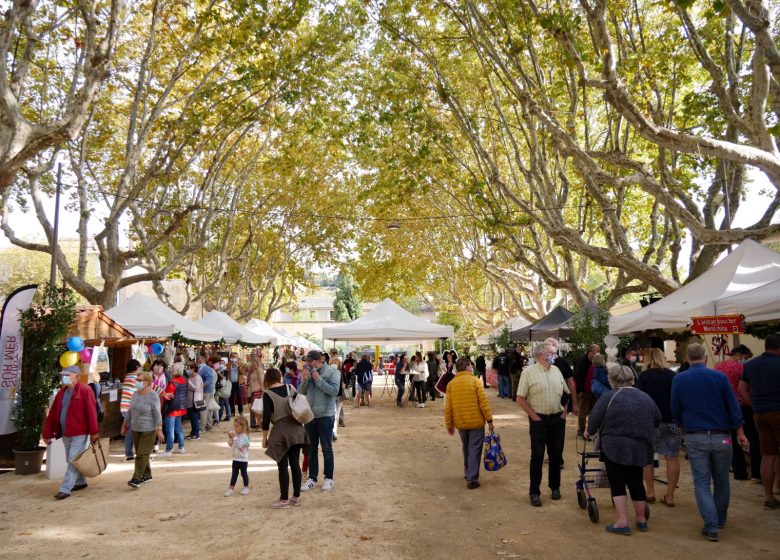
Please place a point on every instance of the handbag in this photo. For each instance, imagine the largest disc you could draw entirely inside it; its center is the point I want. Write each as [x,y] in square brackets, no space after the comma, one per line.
[200,405]
[213,405]
[92,461]
[257,406]
[300,408]
[494,455]
[597,436]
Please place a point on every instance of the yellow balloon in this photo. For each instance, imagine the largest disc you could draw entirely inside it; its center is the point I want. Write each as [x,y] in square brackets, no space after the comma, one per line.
[69,359]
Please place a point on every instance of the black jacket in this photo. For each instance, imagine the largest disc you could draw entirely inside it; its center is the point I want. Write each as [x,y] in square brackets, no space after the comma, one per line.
[501,364]
[580,372]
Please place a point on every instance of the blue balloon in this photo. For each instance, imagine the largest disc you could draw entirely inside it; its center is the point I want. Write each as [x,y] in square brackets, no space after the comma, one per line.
[157,348]
[75,344]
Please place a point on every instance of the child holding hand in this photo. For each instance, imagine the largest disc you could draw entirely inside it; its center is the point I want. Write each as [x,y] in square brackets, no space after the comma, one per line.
[239,441]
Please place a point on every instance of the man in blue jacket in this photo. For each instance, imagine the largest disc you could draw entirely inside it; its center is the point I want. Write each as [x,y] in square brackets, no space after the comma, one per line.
[321,386]
[704,406]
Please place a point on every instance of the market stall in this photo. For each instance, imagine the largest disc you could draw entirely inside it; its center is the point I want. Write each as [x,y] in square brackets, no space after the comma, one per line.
[554,324]
[745,282]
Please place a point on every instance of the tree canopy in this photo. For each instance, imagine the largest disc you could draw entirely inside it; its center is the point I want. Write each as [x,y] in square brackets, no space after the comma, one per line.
[492,158]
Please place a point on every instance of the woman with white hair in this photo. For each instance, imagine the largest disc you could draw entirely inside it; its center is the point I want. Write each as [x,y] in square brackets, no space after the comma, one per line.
[625,418]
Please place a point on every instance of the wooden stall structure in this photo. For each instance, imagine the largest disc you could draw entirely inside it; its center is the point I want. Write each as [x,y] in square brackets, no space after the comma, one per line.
[95,327]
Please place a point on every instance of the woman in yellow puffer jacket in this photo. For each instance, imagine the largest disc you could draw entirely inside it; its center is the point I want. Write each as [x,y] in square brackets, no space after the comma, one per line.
[466,409]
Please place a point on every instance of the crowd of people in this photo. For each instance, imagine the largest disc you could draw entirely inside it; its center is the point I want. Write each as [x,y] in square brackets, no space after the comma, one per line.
[726,418]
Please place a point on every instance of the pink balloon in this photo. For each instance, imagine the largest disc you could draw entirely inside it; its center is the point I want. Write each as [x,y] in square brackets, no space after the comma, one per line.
[86,355]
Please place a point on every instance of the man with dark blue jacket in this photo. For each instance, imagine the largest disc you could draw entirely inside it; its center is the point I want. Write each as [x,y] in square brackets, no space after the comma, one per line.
[704,406]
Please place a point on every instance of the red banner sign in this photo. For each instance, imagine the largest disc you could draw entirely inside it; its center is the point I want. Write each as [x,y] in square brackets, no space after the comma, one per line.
[718,324]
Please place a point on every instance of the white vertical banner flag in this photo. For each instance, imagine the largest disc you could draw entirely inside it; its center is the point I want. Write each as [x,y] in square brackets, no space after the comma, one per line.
[11,353]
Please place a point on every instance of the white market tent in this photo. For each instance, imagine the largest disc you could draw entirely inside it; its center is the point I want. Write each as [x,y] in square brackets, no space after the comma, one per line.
[285,337]
[146,316]
[388,321]
[232,331]
[263,329]
[746,282]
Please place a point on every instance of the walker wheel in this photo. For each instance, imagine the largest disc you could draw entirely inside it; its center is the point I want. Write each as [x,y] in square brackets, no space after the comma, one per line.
[582,498]
[593,510]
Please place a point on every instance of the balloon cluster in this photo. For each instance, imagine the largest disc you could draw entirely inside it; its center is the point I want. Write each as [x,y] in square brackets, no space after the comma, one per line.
[76,351]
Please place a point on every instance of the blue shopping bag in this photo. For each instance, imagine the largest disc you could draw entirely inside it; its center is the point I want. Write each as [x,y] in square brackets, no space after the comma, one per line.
[494,455]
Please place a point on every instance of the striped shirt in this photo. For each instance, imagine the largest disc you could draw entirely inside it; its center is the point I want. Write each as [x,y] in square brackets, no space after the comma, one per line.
[542,389]
[128,388]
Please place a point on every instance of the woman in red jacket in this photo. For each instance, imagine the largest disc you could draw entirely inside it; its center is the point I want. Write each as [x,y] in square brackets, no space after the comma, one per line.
[72,417]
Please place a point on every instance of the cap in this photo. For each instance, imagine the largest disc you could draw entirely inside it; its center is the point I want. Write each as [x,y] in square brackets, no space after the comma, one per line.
[70,370]
[314,355]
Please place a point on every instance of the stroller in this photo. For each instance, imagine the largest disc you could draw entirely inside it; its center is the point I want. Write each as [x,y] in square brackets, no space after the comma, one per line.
[593,477]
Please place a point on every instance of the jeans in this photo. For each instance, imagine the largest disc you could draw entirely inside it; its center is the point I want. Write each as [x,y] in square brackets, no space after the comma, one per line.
[172,425]
[236,398]
[194,416]
[224,405]
[504,386]
[320,432]
[419,389]
[73,446]
[472,452]
[548,432]
[144,442]
[709,456]
[128,441]
[401,385]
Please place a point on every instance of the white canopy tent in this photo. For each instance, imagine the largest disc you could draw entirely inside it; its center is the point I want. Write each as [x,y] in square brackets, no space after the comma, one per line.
[263,329]
[746,282]
[232,331]
[285,337]
[388,321]
[146,316]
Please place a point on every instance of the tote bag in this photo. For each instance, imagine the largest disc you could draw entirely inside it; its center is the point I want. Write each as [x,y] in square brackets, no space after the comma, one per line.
[300,408]
[92,461]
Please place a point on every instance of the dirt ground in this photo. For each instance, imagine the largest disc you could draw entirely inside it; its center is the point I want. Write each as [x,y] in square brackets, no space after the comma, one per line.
[399,493]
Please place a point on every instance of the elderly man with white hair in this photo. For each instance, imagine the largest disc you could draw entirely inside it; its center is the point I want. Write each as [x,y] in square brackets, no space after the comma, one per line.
[539,394]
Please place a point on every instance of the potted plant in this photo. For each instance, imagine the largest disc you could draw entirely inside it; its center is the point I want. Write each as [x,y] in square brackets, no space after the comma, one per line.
[43,327]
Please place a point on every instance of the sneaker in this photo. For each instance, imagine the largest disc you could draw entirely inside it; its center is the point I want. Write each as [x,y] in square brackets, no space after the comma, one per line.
[341,423]
[472,484]
[165,453]
[296,501]
[536,500]
[130,458]
[711,536]
[228,492]
[145,479]
[308,485]
[179,451]
[78,487]
[134,483]
[244,491]
[193,437]
[419,405]
[156,448]
[327,485]
[281,504]
[556,495]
